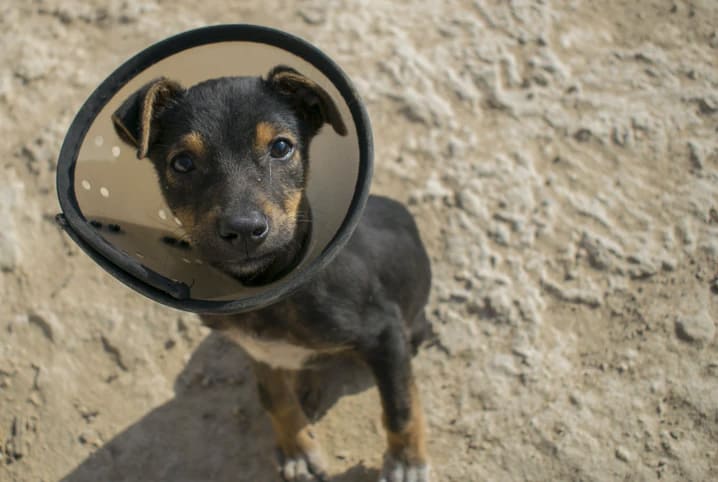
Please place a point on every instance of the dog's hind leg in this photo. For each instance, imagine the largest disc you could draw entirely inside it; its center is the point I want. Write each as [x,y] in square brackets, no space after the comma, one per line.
[300,458]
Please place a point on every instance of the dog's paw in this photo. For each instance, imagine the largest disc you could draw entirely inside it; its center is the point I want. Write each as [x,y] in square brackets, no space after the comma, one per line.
[302,466]
[396,470]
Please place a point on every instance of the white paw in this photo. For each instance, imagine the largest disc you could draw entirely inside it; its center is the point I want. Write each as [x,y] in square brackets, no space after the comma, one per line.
[396,470]
[302,467]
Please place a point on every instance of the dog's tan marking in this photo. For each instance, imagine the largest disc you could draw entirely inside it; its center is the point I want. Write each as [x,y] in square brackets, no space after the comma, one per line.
[267,206]
[273,211]
[193,227]
[156,95]
[410,443]
[264,133]
[283,216]
[275,353]
[194,143]
[186,217]
[191,143]
[146,120]
[291,204]
[130,137]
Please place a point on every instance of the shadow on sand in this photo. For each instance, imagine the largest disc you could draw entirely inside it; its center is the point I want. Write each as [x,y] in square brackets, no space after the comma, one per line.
[213,429]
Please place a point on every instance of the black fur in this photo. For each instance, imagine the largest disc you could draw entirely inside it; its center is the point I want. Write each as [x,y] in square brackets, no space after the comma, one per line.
[369,300]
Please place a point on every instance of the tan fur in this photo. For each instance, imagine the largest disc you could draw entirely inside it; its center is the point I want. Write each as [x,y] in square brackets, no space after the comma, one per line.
[192,226]
[118,122]
[410,443]
[275,353]
[291,204]
[290,425]
[192,143]
[273,212]
[154,94]
[268,207]
[186,216]
[264,133]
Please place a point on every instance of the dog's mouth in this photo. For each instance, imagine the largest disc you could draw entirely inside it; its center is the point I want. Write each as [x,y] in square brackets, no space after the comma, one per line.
[245,268]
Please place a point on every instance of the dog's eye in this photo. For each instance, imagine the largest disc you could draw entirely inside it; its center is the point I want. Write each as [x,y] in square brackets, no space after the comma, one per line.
[281,149]
[182,163]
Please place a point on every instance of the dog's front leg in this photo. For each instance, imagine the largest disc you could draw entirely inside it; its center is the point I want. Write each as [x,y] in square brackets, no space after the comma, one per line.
[301,458]
[390,361]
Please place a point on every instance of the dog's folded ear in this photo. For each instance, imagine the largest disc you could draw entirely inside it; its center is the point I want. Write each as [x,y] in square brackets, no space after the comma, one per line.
[134,118]
[313,102]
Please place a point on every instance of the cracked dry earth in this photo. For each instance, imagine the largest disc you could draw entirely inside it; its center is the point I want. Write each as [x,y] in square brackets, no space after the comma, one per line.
[561,158]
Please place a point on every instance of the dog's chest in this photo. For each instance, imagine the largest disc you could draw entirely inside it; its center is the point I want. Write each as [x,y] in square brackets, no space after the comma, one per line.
[274,352]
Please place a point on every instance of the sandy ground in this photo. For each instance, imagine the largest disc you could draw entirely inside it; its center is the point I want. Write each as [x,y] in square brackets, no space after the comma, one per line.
[561,158]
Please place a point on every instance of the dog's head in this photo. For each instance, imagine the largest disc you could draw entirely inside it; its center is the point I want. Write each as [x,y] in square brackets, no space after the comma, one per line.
[231,155]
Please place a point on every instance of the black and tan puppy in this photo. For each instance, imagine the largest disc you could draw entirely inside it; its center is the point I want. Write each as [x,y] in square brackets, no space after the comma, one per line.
[231,156]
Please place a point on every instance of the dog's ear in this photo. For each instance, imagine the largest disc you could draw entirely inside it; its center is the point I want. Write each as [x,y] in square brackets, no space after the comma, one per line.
[133,119]
[309,98]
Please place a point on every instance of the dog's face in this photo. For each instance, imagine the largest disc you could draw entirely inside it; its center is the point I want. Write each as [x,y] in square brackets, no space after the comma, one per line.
[231,158]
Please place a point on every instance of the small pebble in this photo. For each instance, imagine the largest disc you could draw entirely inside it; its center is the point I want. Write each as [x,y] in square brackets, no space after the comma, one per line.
[696,328]
[668,264]
[313,16]
[622,454]
[713,41]
[582,135]
[696,155]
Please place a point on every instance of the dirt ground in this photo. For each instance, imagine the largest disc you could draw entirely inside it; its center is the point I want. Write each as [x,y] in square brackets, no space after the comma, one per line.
[561,158]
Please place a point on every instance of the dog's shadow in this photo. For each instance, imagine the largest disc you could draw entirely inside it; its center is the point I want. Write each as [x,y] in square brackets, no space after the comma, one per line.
[214,428]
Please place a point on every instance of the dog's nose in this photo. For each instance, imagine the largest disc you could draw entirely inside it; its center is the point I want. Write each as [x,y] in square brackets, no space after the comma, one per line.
[250,227]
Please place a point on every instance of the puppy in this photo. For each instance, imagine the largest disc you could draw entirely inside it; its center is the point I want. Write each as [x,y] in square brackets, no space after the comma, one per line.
[231,156]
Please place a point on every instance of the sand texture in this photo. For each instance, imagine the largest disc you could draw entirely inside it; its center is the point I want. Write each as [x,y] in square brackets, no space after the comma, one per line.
[561,159]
